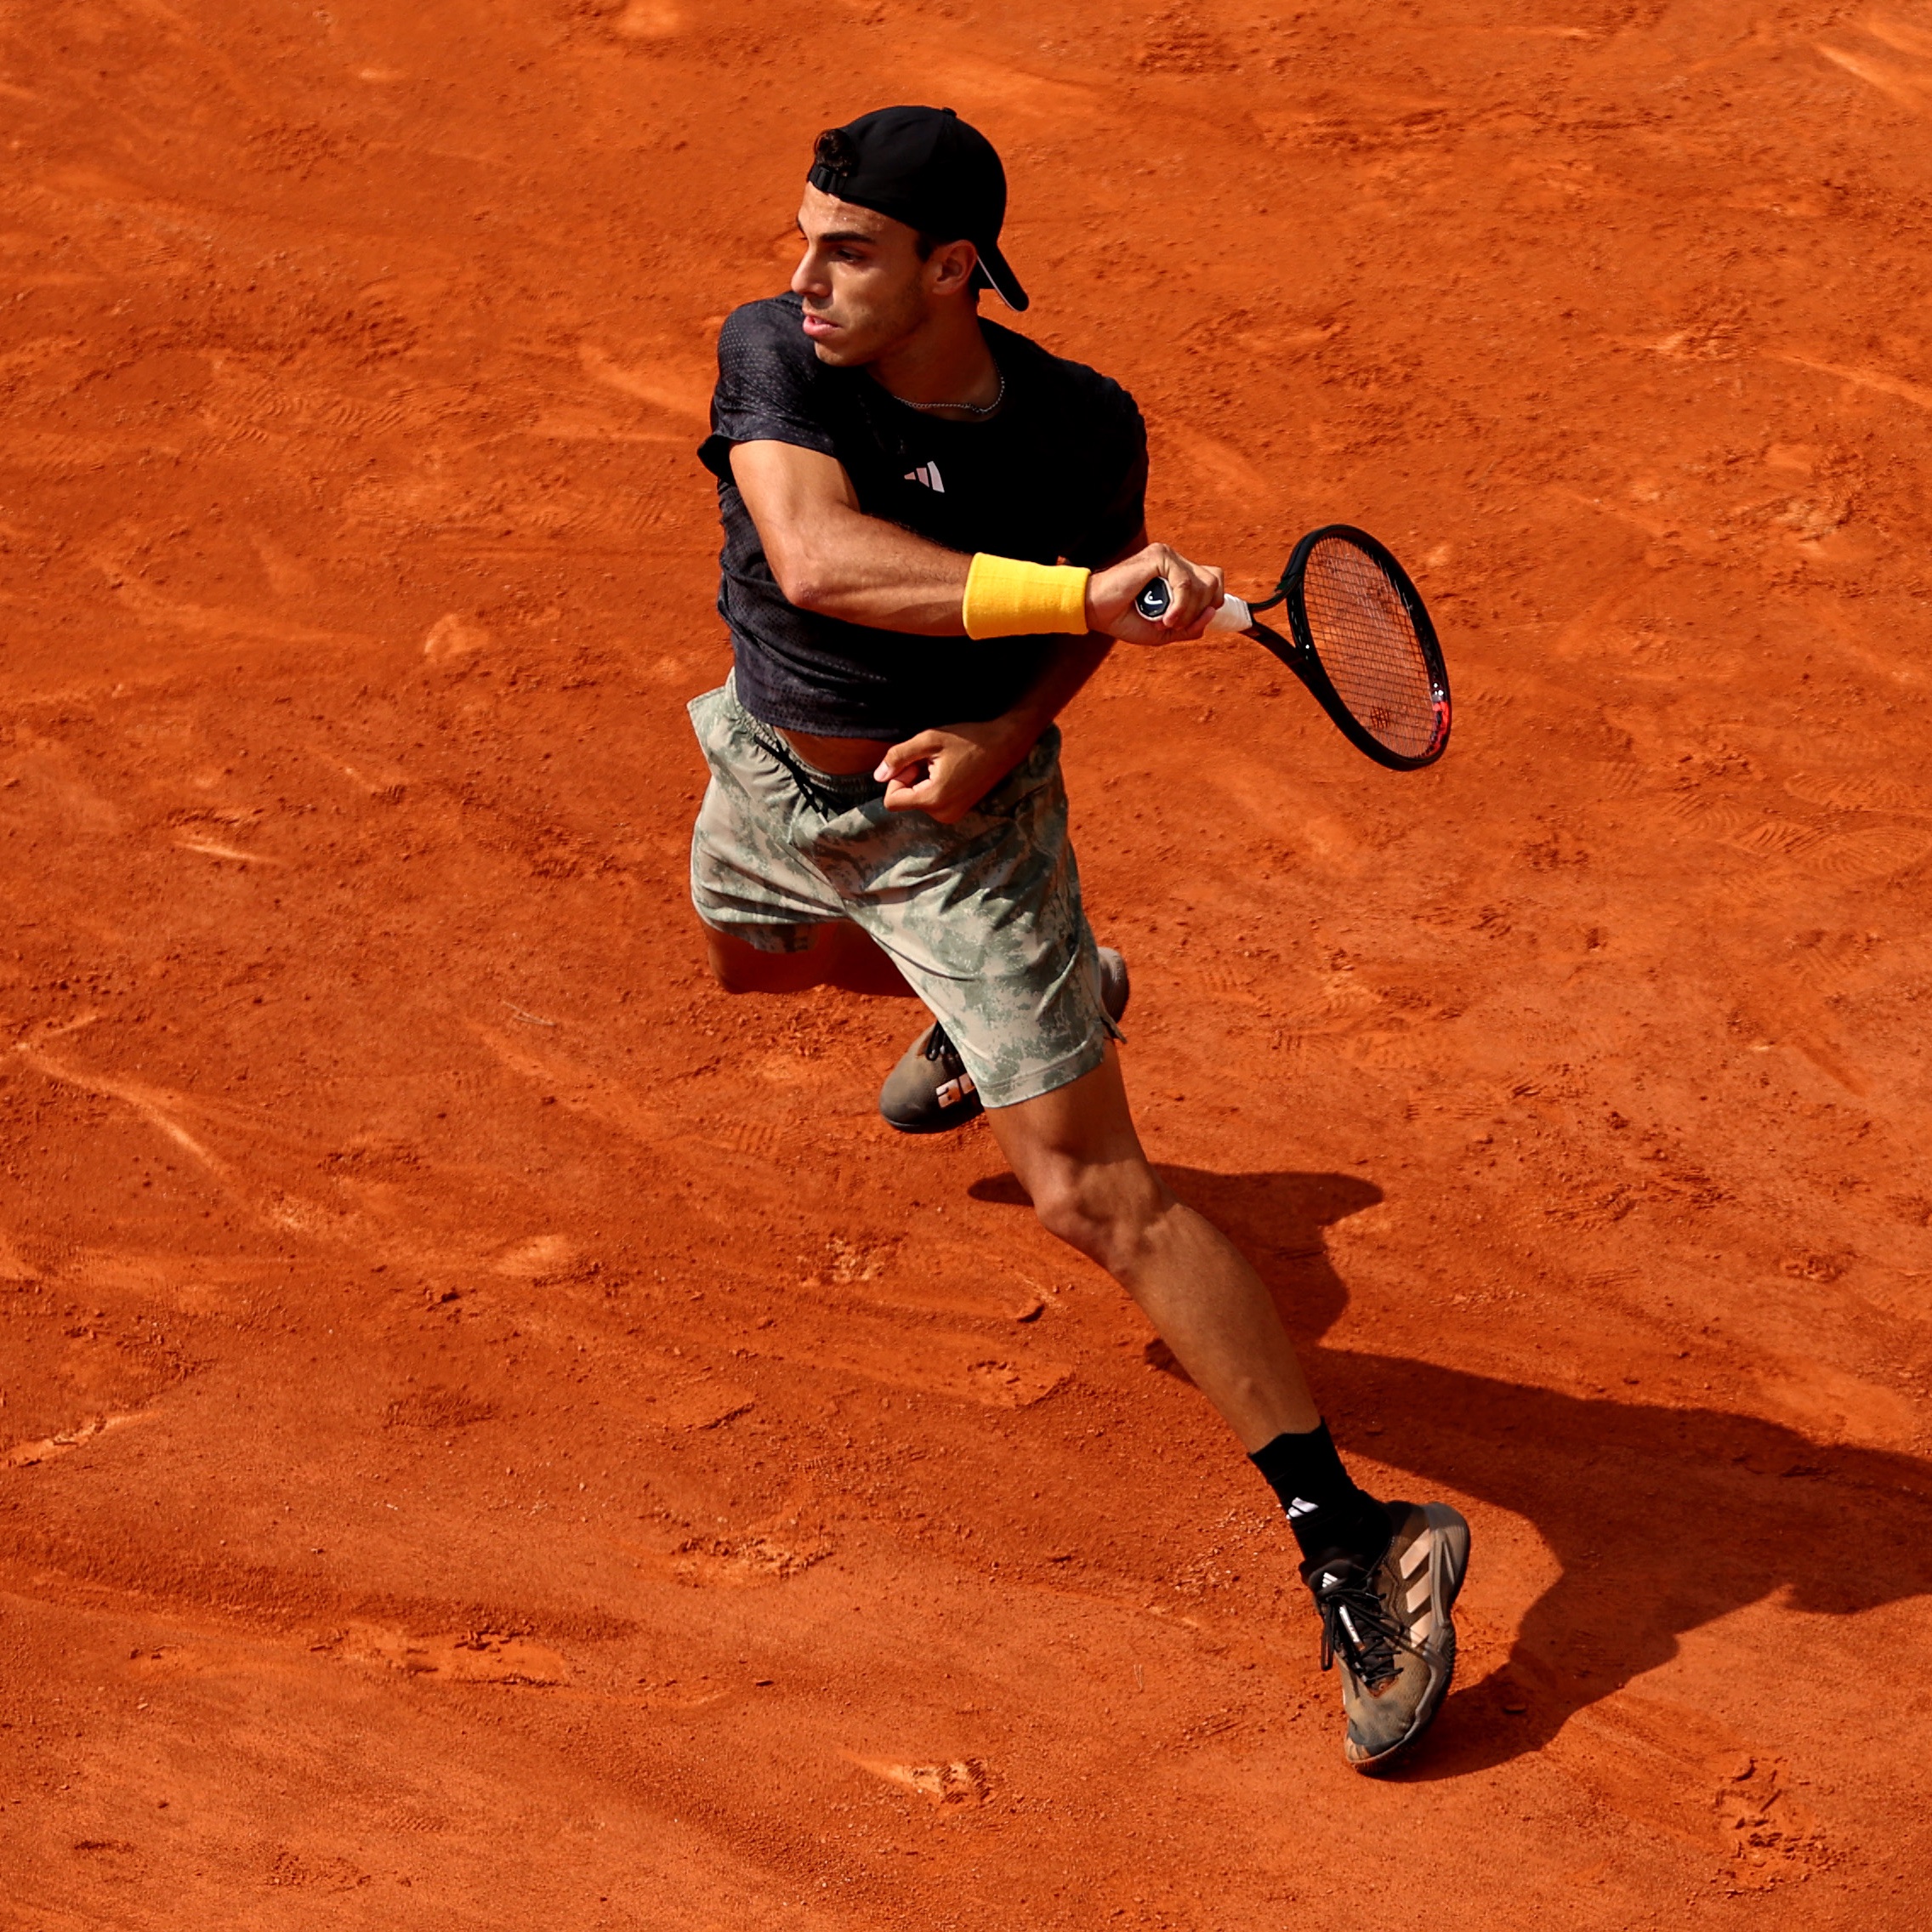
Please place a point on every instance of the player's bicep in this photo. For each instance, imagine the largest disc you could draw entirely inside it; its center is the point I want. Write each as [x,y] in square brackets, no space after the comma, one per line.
[794,495]
[780,482]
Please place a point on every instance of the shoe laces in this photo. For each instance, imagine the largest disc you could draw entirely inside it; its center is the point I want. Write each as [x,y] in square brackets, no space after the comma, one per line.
[1356,1625]
[937,1045]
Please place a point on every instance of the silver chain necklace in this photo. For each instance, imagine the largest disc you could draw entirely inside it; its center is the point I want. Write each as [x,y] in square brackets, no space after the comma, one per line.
[971,408]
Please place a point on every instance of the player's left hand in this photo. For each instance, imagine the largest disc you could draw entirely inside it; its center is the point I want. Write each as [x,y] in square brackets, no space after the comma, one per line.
[945,773]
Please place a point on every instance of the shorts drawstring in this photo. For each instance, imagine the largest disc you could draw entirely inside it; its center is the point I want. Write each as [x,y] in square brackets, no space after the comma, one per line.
[810,787]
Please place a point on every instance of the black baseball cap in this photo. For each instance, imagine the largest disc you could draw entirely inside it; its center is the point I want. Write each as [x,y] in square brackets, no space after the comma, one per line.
[925,167]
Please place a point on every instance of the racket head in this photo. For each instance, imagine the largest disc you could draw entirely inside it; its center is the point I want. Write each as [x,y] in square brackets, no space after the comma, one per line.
[1367,650]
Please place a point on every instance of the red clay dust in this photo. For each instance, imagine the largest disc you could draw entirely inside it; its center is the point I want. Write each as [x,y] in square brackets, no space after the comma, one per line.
[496,1432]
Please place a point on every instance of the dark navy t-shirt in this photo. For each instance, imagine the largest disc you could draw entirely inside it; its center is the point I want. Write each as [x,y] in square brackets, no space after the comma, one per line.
[1059,473]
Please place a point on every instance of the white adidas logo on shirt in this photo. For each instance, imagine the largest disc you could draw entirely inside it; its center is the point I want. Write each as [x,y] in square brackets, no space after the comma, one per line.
[928,474]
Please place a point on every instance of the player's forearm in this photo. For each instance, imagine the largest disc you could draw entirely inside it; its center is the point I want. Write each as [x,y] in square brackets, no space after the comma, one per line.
[868,571]
[1070,663]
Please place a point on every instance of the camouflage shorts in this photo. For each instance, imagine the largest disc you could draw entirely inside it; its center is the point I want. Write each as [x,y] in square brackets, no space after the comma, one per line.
[983,918]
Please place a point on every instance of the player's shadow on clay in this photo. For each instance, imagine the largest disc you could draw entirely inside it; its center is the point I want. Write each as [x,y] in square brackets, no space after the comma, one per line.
[1664,1519]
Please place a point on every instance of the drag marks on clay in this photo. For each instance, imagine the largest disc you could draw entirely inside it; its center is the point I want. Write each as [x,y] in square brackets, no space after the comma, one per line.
[917,1278]
[215,848]
[453,638]
[1899,34]
[159,1107]
[1918,395]
[48,769]
[674,1694]
[921,1360]
[190,1284]
[437,1409]
[741,1563]
[31,1455]
[1220,469]
[539,1259]
[683,393]
[680,1399]
[1676,1769]
[1908,87]
[1011,91]
[581,1089]
[1372,127]
[960,1782]
[648,20]
[147,605]
[474,1656]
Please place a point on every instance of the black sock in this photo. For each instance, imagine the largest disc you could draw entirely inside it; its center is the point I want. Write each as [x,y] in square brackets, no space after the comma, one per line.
[1328,1515]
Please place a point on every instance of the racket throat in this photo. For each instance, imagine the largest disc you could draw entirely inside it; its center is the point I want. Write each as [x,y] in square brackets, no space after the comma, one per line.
[1284,648]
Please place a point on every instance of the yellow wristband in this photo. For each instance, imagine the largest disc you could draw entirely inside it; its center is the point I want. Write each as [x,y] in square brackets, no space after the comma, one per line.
[1006,598]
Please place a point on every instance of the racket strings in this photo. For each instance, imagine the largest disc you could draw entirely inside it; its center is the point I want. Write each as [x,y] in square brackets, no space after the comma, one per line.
[1367,644]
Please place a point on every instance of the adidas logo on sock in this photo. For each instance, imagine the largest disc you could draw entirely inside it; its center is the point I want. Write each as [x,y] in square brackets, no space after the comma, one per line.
[928,474]
[1300,1507]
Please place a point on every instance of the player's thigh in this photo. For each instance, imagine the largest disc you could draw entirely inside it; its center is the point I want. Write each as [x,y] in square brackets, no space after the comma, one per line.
[749,882]
[983,919]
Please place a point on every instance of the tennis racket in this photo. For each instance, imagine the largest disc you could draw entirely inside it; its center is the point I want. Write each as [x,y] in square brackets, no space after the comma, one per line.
[1361,640]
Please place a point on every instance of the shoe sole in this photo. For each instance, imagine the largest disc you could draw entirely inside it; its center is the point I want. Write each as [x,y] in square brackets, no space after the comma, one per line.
[1449,1564]
[935,1126]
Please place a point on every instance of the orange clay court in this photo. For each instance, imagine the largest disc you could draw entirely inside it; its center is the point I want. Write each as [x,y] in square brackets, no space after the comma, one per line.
[497,1433]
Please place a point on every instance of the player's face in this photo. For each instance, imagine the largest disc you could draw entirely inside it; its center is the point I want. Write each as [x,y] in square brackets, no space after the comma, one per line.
[864,286]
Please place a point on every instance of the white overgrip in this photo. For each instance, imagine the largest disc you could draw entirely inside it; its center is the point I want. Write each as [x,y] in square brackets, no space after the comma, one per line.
[1233,615]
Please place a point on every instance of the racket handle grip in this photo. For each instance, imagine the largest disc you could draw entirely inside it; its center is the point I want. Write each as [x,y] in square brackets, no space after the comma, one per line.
[1153,601]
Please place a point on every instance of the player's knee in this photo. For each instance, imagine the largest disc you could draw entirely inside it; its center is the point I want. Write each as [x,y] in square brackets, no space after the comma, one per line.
[1064,1211]
[1103,1211]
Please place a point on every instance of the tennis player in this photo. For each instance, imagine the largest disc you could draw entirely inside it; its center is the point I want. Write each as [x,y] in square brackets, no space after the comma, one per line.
[934,532]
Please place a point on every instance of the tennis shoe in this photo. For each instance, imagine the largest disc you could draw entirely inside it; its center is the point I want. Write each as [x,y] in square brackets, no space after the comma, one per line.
[1387,1624]
[931,1092]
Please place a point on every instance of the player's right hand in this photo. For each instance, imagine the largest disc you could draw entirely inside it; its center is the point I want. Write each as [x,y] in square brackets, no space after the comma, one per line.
[1194,594]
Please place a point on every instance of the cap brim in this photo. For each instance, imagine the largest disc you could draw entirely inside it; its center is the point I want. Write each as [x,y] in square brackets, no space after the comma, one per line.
[998,276]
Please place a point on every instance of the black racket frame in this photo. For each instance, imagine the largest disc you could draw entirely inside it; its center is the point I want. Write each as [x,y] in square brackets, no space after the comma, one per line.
[1298,653]
[1298,650]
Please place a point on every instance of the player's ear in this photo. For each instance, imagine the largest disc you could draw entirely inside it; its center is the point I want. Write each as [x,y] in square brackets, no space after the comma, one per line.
[950,267]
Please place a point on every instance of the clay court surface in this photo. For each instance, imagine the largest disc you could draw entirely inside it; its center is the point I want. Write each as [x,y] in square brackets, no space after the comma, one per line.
[496,1434]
